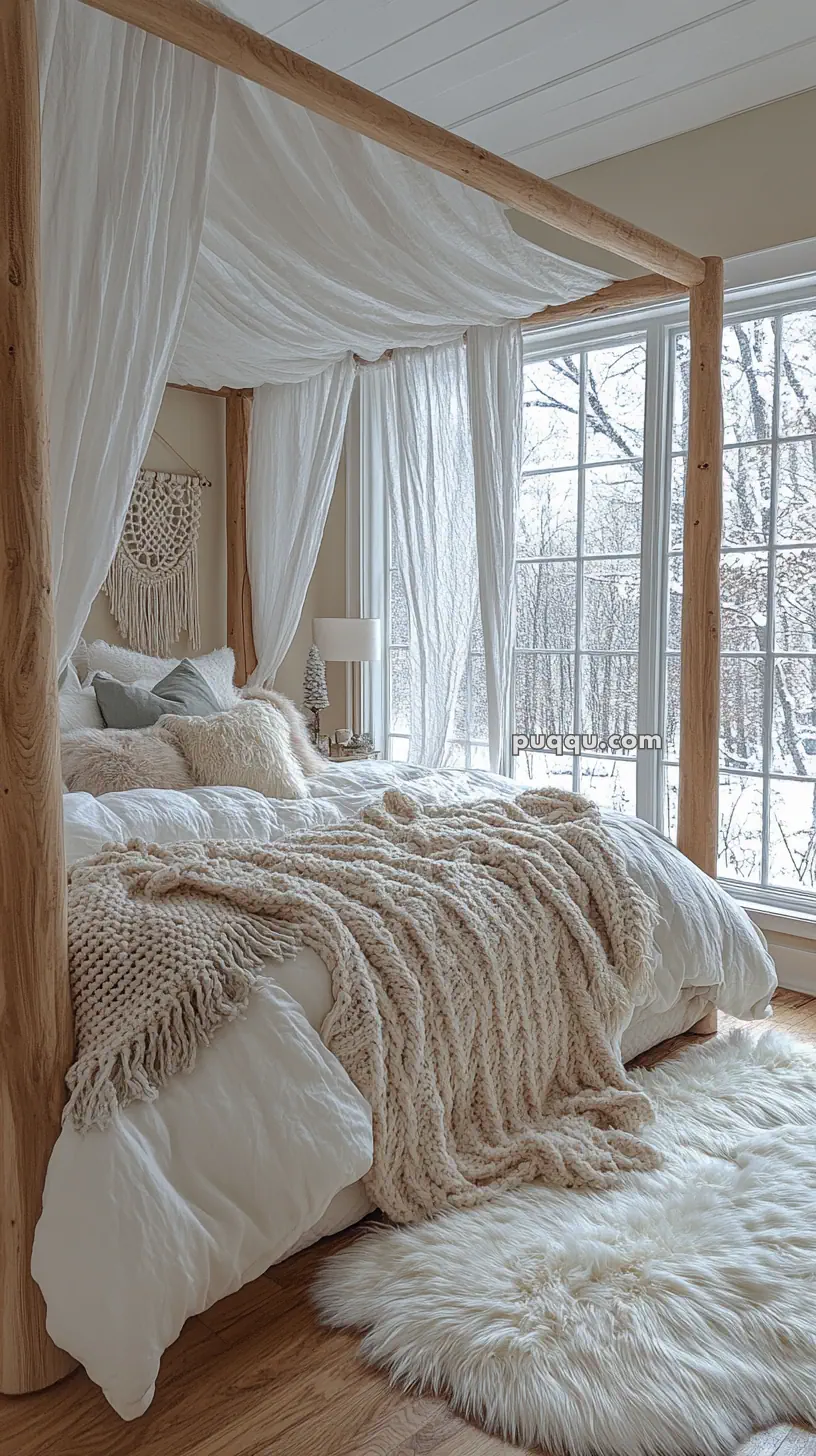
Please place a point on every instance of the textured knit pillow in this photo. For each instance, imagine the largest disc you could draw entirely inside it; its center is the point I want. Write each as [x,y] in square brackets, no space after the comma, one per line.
[303,748]
[108,761]
[247,747]
[127,705]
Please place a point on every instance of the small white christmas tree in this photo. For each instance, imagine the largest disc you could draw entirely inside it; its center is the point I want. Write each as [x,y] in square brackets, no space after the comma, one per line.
[315,695]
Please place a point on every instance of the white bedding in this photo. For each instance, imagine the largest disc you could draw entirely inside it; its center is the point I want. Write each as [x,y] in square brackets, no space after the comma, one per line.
[261,1147]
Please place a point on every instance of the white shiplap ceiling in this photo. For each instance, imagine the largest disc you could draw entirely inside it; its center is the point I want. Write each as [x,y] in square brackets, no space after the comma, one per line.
[558,84]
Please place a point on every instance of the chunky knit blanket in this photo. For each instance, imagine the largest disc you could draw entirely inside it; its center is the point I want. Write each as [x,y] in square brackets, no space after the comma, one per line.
[484,957]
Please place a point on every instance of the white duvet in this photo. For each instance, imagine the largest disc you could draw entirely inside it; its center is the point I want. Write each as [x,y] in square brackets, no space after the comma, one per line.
[261,1147]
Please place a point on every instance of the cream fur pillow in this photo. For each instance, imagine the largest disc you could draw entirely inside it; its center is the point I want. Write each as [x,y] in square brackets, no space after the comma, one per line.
[304,750]
[113,760]
[247,747]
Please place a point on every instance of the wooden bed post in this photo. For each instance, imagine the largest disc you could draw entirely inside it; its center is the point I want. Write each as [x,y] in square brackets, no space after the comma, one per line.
[36,1034]
[239,592]
[698,800]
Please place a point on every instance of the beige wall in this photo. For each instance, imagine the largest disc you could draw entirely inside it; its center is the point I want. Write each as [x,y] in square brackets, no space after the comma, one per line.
[738,186]
[193,424]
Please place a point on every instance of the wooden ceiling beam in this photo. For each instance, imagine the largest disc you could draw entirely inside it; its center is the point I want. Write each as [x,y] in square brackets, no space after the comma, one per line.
[228,43]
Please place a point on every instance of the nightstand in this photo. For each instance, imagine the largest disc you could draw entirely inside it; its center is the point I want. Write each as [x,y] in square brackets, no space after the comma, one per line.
[338,753]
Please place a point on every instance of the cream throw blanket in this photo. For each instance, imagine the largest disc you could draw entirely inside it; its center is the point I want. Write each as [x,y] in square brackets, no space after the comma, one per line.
[484,959]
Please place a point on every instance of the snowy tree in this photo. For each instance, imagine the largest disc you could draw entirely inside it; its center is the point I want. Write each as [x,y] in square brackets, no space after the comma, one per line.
[750,388]
[315,694]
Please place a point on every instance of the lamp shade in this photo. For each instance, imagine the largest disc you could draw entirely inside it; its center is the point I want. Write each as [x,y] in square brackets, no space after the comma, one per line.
[348,639]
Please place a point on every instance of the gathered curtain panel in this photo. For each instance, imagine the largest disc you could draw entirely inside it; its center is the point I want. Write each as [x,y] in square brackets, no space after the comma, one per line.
[495,360]
[431,493]
[447,422]
[127,126]
[296,440]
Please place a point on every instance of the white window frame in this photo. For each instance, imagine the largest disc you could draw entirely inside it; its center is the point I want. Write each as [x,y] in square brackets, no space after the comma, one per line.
[549,344]
[794,908]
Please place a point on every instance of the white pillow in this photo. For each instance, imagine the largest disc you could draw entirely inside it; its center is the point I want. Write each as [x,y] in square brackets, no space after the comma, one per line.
[248,747]
[182,1200]
[79,661]
[218,668]
[78,707]
[70,682]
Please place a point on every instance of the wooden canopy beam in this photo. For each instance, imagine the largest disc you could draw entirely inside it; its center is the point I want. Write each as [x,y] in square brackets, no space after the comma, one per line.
[239,591]
[226,42]
[649,289]
[223,393]
[36,1032]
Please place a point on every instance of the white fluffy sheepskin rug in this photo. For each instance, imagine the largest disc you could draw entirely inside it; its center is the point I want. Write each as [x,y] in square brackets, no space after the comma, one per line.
[668,1317]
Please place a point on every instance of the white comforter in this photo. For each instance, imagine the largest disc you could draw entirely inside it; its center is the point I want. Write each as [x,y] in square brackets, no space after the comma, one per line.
[183,1200]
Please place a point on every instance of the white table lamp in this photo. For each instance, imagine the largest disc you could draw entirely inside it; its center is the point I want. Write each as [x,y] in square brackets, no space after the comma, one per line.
[349,639]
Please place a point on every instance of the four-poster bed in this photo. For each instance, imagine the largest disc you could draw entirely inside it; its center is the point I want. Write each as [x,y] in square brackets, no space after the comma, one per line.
[35,1014]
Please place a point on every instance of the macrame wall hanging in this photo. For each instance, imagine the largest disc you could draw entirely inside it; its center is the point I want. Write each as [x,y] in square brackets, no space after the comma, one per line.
[153,582]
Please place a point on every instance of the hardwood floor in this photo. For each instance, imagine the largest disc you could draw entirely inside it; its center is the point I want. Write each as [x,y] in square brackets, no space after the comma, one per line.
[257,1376]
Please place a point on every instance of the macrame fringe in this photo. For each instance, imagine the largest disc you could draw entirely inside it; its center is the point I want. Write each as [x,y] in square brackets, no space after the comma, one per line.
[152,584]
[152,612]
[137,1071]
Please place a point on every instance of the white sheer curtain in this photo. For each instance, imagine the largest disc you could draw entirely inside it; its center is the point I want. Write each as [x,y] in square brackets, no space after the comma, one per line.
[300,243]
[126,134]
[318,243]
[295,444]
[431,489]
[494,359]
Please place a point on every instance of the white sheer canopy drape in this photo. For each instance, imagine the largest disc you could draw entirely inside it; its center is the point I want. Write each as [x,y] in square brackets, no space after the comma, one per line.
[345,246]
[432,510]
[126,134]
[495,359]
[295,444]
[192,219]
[318,242]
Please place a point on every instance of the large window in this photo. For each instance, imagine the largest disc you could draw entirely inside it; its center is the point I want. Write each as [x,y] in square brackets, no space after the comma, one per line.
[578,565]
[768,599]
[599,581]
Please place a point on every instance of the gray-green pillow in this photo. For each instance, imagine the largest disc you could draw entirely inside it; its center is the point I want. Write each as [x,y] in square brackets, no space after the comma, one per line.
[183,691]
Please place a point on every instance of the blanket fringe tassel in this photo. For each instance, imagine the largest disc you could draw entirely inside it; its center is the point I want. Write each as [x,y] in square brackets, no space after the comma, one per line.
[99,1086]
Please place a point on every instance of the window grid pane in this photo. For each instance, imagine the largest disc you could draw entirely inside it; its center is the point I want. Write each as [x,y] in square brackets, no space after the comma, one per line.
[768,580]
[578,564]
[577,573]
